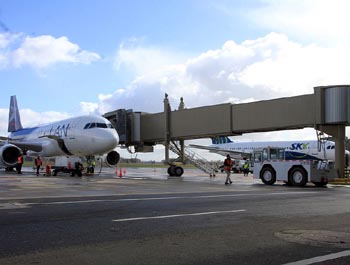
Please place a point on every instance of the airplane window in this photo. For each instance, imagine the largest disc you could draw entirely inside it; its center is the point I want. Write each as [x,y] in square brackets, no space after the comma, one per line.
[87,126]
[95,125]
[101,125]
[98,125]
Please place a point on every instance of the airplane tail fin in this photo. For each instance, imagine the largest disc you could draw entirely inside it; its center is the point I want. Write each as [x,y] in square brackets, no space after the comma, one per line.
[14,118]
[220,140]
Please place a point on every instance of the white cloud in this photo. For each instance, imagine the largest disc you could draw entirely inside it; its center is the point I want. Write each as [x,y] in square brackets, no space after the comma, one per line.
[39,52]
[89,108]
[268,67]
[322,20]
[7,38]
[3,121]
[144,60]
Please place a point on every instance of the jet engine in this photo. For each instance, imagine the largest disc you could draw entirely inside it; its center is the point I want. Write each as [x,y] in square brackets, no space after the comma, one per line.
[111,159]
[9,154]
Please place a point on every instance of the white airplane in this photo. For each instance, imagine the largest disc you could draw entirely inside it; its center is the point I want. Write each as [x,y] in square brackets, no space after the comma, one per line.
[308,149]
[79,136]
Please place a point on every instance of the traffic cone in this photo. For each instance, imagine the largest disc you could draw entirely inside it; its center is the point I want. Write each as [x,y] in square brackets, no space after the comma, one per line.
[120,173]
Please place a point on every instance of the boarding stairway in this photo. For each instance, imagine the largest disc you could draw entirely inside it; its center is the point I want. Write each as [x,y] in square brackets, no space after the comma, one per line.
[197,160]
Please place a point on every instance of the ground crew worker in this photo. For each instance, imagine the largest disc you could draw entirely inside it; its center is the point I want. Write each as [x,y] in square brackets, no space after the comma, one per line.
[93,164]
[245,168]
[38,164]
[228,163]
[19,164]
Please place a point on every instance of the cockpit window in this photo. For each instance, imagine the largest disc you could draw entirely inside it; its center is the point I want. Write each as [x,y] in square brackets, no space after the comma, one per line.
[87,126]
[101,125]
[97,125]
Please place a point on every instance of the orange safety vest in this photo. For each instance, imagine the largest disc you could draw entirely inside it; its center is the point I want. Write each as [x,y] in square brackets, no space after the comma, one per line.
[228,164]
[20,160]
[38,162]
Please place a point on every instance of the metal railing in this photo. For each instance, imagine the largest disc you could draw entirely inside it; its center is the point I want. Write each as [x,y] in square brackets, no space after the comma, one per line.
[194,158]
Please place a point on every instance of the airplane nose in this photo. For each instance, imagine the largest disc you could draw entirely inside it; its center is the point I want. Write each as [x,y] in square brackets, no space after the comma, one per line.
[115,140]
[107,140]
[112,139]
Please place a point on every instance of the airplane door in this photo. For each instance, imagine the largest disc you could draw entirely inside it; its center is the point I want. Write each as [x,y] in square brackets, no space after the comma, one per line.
[71,132]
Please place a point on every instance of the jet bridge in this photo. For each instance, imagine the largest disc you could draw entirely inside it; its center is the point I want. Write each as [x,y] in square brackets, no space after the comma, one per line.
[327,110]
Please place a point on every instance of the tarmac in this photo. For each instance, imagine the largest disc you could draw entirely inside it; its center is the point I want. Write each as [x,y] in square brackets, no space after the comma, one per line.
[107,177]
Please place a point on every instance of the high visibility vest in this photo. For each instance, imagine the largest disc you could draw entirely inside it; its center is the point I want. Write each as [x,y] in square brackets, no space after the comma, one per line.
[245,165]
[20,160]
[38,162]
[228,164]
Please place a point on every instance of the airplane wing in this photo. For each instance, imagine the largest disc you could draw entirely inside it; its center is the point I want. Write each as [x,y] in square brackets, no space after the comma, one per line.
[27,145]
[221,151]
[33,146]
[3,140]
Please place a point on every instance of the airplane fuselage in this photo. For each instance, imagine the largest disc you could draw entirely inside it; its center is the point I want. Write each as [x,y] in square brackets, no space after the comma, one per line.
[79,136]
[294,149]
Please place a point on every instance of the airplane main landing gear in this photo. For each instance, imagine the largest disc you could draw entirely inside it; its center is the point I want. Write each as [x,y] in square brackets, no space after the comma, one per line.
[175,171]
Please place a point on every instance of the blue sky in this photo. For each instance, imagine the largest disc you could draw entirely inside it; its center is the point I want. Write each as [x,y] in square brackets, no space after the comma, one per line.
[64,58]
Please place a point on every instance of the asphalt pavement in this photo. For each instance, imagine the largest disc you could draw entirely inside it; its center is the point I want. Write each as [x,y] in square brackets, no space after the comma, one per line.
[145,217]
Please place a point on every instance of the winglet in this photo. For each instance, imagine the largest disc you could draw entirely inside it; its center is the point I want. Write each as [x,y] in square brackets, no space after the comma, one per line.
[14,118]
[221,140]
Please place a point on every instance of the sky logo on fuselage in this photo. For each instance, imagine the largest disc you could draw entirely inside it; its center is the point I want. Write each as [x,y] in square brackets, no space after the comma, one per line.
[299,146]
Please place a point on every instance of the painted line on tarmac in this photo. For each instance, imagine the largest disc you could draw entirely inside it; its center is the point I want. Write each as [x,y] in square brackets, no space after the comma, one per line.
[175,215]
[171,198]
[162,198]
[321,258]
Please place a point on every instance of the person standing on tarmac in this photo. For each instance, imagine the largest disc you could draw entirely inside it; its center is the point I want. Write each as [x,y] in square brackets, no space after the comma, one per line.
[228,163]
[19,164]
[93,164]
[245,168]
[38,164]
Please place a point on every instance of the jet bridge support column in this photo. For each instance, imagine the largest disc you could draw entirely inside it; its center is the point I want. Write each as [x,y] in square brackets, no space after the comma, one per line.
[167,112]
[335,115]
[339,150]
[182,142]
[338,134]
